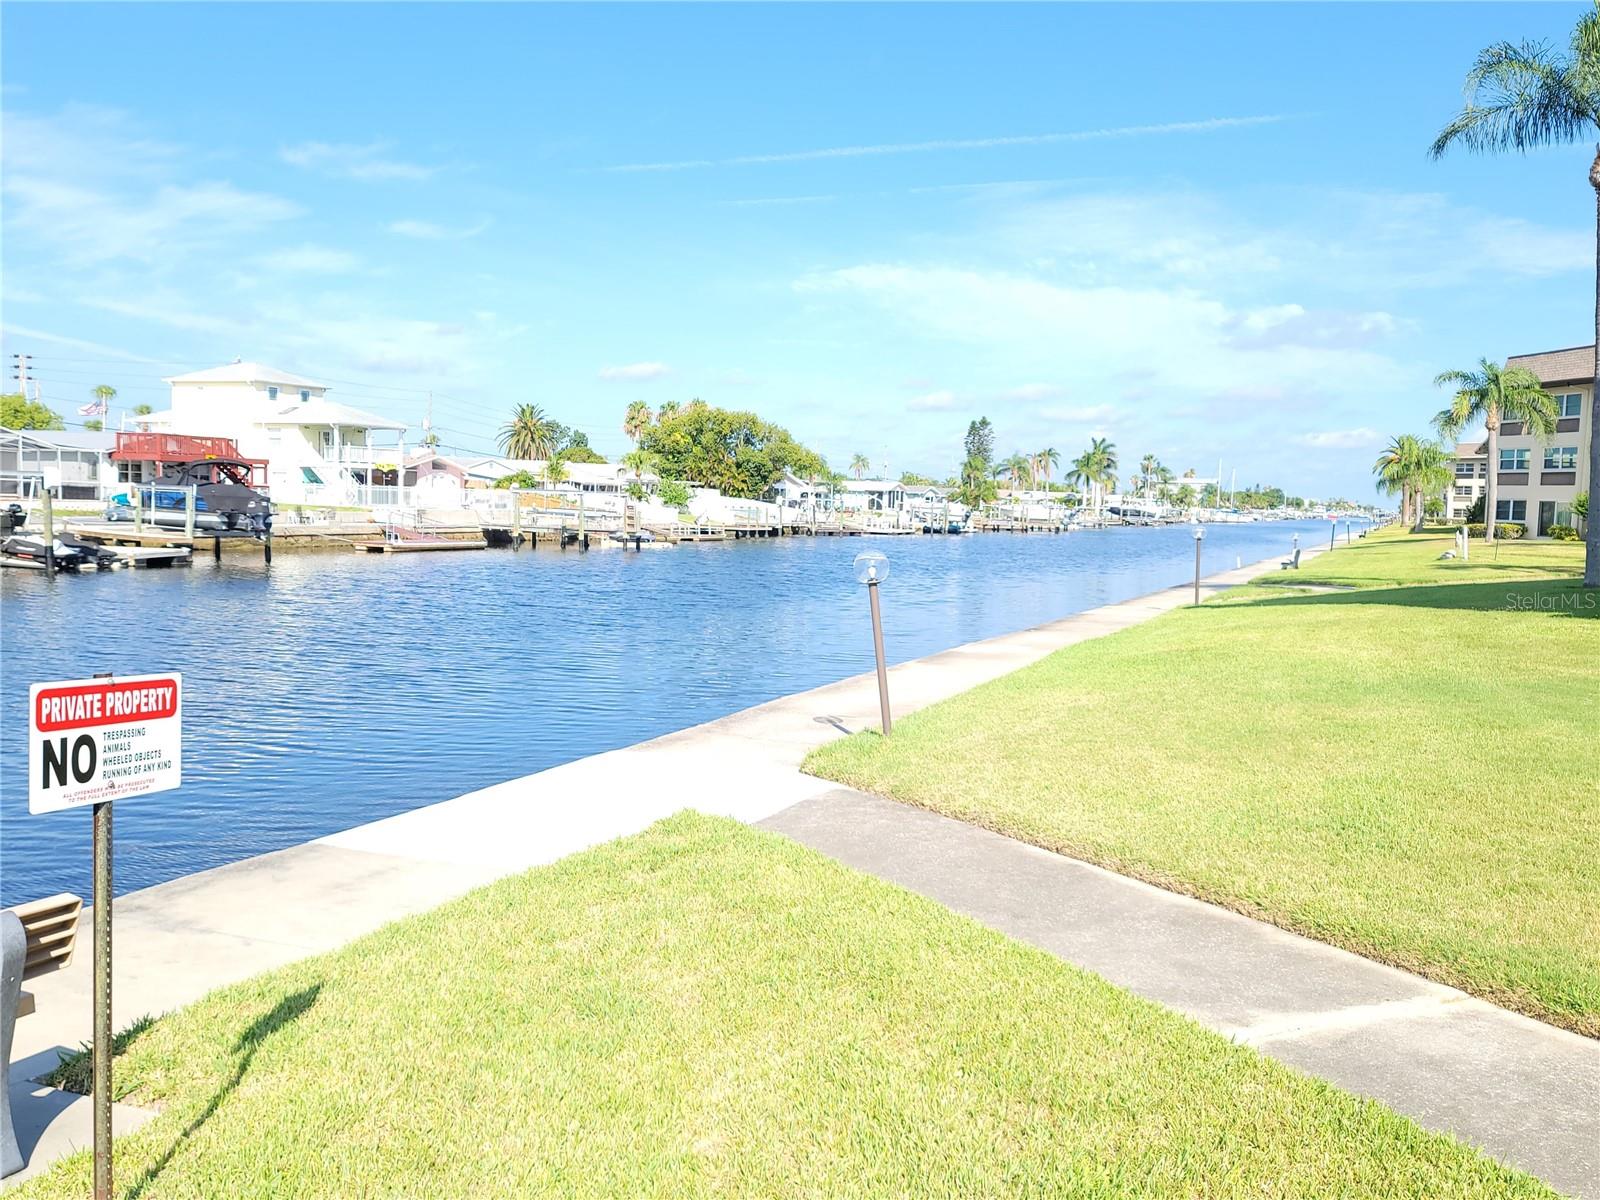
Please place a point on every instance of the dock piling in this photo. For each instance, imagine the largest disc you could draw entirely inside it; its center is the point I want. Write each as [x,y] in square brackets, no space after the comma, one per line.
[49,535]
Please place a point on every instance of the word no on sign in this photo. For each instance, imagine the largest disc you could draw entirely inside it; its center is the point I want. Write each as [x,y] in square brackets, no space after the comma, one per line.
[91,740]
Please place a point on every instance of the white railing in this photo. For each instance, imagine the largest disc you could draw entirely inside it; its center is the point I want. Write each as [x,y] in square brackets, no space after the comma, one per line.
[362,455]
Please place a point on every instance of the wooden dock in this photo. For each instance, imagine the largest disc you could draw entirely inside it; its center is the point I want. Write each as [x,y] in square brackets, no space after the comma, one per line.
[421,545]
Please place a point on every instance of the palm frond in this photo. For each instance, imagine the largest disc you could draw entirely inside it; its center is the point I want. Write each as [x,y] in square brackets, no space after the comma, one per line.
[1520,97]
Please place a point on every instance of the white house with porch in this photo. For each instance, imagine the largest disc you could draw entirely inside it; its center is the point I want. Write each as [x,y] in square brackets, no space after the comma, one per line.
[872,495]
[318,450]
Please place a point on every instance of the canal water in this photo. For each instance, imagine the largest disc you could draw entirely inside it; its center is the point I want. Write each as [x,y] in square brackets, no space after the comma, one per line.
[330,690]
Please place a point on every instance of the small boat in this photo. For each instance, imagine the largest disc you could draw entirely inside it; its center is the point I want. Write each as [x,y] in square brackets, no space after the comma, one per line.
[224,501]
[69,553]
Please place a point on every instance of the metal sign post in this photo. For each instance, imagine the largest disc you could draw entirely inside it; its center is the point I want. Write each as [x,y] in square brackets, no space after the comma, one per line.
[102,1000]
[92,741]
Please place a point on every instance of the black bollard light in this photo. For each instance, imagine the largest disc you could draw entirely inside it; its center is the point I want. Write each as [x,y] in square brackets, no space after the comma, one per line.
[1199,537]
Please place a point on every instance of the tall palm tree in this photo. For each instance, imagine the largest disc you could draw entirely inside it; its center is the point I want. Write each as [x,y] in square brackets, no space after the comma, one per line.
[860,464]
[1045,463]
[1148,466]
[1095,470]
[1411,468]
[1522,97]
[1489,396]
[1018,469]
[636,420]
[529,433]
[668,410]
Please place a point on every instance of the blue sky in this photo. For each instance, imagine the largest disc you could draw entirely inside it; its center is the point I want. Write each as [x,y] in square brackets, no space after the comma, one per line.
[1201,231]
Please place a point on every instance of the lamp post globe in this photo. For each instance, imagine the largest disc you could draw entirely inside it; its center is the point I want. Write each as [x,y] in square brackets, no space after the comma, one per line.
[871,567]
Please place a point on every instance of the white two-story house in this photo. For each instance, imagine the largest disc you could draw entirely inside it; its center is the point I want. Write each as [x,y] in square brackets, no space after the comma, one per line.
[318,451]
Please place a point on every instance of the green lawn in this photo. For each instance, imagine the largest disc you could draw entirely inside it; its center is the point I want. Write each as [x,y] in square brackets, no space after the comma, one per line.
[1409,772]
[704,1009]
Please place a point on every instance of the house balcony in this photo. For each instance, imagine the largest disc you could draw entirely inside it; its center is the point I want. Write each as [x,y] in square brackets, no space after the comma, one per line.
[362,456]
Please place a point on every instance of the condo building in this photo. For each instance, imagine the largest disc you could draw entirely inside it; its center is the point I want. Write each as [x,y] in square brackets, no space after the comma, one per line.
[1536,478]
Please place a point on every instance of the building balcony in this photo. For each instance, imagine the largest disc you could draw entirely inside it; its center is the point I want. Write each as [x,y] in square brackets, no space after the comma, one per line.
[362,456]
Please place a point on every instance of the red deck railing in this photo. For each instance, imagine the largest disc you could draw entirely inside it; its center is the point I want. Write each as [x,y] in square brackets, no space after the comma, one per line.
[163,448]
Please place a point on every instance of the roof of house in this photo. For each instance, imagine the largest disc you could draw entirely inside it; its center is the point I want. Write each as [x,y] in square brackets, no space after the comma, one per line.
[321,411]
[873,485]
[246,372]
[63,439]
[1572,365]
[1471,449]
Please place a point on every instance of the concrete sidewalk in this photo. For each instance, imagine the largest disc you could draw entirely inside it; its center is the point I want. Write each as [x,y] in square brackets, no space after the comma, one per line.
[1526,1092]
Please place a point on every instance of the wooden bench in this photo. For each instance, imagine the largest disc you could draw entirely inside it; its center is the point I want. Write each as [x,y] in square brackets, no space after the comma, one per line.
[51,927]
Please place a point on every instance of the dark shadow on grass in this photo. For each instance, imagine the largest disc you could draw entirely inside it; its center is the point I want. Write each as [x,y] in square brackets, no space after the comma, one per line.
[257,1032]
[1556,597]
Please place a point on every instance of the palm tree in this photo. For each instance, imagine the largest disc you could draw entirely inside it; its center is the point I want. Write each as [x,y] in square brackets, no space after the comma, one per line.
[638,461]
[1491,395]
[529,433]
[1411,468]
[1148,466]
[555,469]
[636,420]
[1523,97]
[1047,461]
[668,410]
[1095,470]
[1018,469]
[860,464]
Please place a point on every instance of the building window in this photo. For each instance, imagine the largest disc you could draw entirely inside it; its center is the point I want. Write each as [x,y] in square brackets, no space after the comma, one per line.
[1561,458]
[304,395]
[1464,468]
[130,472]
[1511,510]
[1463,491]
[1513,460]
[1569,404]
[272,393]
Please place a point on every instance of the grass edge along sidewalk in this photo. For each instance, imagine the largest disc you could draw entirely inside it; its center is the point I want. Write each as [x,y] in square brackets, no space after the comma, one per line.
[1389,752]
[708,1009]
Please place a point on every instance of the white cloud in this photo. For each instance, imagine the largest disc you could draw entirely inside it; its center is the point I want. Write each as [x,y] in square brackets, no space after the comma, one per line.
[1292,325]
[428,231]
[1209,125]
[636,372]
[778,201]
[1033,392]
[1341,439]
[98,349]
[90,226]
[932,402]
[363,163]
[310,260]
[1082,414]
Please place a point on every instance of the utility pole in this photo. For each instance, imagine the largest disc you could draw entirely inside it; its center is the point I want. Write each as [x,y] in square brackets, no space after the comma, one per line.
[22,365]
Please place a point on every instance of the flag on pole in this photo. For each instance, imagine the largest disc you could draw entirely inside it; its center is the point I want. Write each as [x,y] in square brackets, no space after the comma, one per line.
[97,408]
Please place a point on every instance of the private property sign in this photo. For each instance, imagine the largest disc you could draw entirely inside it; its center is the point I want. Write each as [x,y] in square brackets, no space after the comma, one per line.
[91,740]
